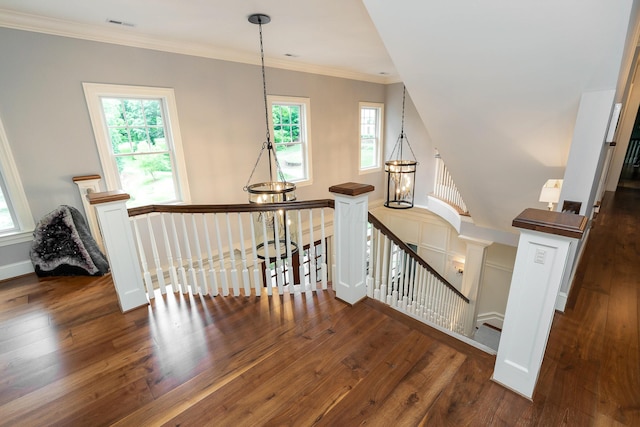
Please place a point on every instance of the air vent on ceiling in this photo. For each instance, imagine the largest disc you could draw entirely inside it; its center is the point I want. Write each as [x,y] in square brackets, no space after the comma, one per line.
[117,22]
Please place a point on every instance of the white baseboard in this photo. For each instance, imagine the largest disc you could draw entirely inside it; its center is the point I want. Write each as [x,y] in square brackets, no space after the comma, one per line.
[492,318]
[561,301]
[17,269]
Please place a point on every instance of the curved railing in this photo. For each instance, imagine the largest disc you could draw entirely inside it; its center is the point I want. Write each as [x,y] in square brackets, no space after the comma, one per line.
[445,189]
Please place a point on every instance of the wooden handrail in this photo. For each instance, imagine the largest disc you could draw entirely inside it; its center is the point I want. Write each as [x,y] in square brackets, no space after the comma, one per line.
[246,207]
[395,239]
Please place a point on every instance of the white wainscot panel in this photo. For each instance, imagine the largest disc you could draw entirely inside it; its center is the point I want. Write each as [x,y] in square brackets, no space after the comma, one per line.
[434,258]
[434,235]
[494,291]
[406,229]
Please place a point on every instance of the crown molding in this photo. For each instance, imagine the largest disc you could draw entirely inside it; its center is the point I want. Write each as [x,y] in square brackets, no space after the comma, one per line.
[128,37]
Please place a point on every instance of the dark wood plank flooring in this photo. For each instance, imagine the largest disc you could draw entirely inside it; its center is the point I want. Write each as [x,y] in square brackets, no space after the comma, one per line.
[68,357]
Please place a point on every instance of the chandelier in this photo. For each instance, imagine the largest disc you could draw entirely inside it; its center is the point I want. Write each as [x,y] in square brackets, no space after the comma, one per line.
[400,172]
[277,189]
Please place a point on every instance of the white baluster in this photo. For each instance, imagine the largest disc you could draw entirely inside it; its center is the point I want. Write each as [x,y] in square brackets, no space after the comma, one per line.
[411,296]
[202,283]
[267,258]
[378,266]
[301,273]
[143,261]
[156,257]
[431,298]
[173,275]
[323,268]
[187,249]
[421,288]
[181,271]
[232,257]
[384,276]
[370,257]
[312,253]
[278,250]
[243,256]
[257,283]
[223,270]
[287,235]
[212,268]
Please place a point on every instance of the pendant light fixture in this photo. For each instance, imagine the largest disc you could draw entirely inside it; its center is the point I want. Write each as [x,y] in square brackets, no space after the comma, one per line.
[277,189]
[400,172]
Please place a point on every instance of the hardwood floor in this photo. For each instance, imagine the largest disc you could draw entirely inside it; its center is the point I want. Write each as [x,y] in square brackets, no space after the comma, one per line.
[69,357]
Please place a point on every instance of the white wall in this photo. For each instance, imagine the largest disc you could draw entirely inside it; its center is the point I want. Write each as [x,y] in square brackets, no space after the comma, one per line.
[220,109]
[418,137]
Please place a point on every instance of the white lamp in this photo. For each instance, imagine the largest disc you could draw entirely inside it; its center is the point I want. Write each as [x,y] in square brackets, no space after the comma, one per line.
[551,192]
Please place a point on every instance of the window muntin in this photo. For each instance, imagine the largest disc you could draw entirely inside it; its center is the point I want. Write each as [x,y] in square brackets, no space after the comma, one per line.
[370,136]
[289,127]
[138,140]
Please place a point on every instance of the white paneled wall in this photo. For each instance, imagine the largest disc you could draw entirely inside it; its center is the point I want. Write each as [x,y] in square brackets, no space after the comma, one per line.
[438,244]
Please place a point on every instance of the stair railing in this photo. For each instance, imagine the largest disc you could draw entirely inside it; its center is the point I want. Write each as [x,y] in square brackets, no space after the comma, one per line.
[222,249]
[249,249]
[445,189]
[399,277]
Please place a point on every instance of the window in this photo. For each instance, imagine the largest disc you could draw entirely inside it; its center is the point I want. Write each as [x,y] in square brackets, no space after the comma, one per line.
[138,138]
[370,136]
[16,222]
[290,132]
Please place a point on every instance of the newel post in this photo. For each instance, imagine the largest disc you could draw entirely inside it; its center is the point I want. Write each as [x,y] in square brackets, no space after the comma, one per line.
[120,247]
[350,234]
[545,242]
[90,184]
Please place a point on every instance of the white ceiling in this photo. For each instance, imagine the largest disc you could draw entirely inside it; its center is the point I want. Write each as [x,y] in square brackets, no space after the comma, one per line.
[332,37]
[498,84]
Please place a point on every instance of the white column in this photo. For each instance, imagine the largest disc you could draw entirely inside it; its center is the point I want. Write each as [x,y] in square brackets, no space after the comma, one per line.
[472,277]
[120,248]
[541,261]
[90,184]
[350,231]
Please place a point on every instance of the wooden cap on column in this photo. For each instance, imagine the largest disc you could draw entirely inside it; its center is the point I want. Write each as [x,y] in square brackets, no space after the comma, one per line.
[107,196]
[551,222]
[352,188]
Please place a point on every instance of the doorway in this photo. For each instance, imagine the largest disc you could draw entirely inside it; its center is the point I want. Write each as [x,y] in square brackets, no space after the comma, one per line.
[630,173]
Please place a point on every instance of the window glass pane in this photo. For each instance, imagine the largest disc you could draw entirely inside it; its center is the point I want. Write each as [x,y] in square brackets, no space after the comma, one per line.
[6,221]
[153,112]
[290,158]
[286,123]
[148,178]
[133,112]
[369,137]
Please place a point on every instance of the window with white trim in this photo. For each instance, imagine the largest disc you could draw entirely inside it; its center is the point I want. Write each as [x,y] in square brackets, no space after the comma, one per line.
[138,137]
[371,117]
[291,136]
[16,222]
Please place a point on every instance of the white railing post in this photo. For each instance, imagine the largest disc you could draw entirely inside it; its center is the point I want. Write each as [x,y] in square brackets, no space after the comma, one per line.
[545,240]
[90,184]
[350,231]
[471,279]
[120,247]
